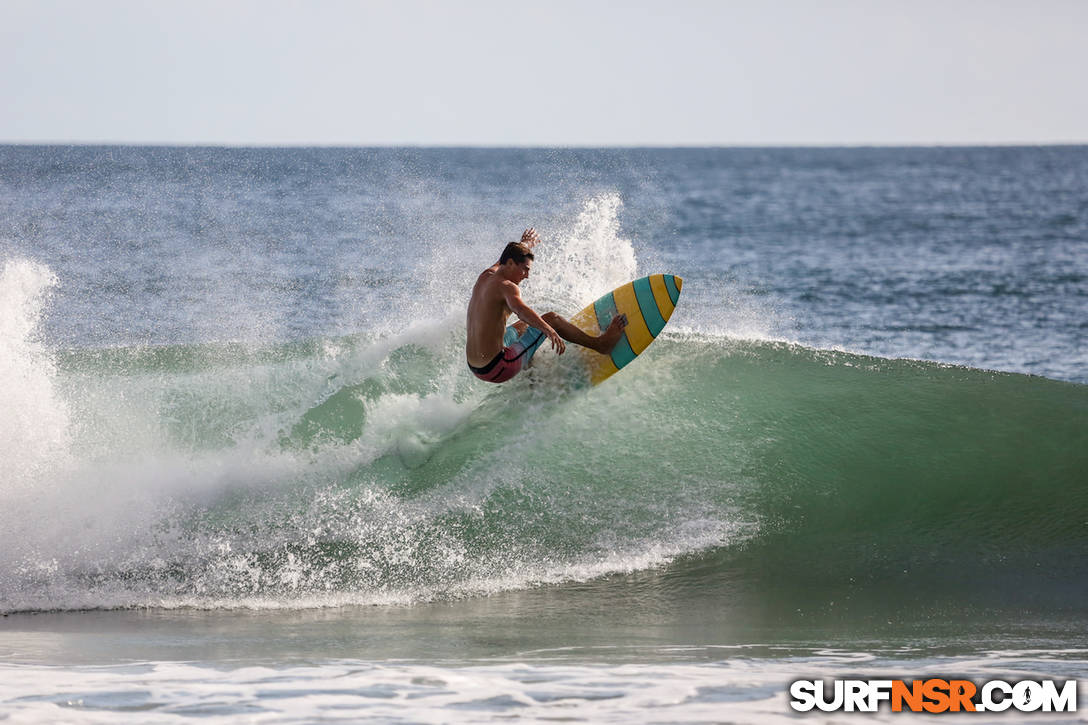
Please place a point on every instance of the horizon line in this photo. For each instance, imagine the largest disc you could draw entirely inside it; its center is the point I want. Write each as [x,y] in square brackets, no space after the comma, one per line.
[534,146]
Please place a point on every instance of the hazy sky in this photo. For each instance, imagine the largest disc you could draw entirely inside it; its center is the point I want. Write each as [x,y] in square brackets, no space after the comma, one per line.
[548,72]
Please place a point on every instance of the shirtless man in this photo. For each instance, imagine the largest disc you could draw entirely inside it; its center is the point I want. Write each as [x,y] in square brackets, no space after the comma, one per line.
[496,352]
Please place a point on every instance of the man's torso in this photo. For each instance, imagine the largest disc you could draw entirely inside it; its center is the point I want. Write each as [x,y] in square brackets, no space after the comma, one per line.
[487,315]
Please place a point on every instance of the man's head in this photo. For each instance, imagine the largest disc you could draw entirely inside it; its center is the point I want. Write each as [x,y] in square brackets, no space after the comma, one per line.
[516,260]
[515,251]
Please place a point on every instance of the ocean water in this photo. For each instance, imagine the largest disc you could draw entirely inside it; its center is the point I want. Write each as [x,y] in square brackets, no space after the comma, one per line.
[245,474]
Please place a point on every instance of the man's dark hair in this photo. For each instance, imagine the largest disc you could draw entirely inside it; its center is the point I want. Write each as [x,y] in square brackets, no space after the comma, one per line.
[515,251]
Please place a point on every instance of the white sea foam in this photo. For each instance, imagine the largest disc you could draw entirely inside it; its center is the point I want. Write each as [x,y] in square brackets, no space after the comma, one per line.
[34,423]
[744,684]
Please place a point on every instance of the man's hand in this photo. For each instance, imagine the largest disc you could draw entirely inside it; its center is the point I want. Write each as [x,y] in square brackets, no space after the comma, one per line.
[530,238]
[557,342]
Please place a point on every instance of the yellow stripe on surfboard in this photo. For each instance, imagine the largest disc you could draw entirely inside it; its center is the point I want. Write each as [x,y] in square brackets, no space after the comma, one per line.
[601,368]
[638,334]
[586,321]
[661,295]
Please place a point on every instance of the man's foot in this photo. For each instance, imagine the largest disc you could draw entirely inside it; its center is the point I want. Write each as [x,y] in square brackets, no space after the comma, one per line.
[611,335]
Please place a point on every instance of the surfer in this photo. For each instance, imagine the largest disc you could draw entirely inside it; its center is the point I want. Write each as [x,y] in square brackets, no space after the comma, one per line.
[496,352]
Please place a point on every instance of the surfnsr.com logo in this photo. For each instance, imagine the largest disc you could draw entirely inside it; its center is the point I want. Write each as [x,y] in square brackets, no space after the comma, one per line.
[934,695]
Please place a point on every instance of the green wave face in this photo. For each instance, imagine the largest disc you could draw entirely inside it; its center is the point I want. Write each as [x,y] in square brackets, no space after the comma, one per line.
[882,484]
[761,476]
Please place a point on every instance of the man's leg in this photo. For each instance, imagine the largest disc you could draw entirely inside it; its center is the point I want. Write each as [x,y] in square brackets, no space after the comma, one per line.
[602,344]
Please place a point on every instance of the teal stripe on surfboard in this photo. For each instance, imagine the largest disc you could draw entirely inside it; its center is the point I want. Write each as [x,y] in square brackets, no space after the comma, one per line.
[622,352]
[648,305]
[605,308]
[670,285]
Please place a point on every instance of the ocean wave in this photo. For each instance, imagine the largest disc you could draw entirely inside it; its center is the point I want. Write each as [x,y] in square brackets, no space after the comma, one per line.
[375,470]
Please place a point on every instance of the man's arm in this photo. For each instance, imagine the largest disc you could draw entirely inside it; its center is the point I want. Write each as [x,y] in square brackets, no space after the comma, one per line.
[512,294]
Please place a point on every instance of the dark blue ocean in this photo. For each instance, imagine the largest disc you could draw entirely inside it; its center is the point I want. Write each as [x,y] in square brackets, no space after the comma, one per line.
[971,256]
[245,473]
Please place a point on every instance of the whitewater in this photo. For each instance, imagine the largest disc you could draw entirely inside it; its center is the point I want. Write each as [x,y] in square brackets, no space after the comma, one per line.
[246,474]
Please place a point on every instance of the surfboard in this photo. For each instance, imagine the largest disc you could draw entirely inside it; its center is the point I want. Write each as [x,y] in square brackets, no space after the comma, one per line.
[648,303]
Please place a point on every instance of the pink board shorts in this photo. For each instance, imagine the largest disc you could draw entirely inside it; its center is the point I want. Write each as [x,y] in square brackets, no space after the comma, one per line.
[512,358]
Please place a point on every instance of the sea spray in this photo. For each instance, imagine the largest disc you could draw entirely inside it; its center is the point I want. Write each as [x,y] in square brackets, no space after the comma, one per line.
[580,260]
[34,419]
